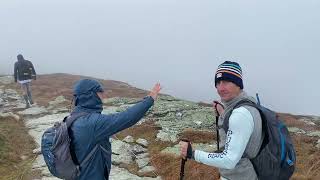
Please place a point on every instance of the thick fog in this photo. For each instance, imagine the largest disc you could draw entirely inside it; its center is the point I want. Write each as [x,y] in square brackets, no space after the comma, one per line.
[179,43]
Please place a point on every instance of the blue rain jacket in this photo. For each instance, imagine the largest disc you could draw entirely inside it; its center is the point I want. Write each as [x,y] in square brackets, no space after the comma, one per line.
[96,128]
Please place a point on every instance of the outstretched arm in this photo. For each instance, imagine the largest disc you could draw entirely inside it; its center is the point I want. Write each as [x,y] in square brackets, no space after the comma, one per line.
[111,124]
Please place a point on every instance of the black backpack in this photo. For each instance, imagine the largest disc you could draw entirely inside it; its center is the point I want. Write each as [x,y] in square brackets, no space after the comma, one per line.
[276,158]
[25,68]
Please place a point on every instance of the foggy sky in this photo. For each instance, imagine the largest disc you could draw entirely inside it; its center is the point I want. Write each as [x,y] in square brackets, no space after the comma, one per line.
[179,43]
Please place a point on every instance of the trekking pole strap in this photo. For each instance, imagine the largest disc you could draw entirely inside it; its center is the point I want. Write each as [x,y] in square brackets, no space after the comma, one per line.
[183,162]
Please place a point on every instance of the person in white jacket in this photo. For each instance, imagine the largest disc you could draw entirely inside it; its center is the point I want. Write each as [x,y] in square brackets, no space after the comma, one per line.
[243,138]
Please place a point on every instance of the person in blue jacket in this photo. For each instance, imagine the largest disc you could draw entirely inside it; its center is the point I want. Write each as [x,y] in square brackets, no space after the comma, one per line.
[95,128]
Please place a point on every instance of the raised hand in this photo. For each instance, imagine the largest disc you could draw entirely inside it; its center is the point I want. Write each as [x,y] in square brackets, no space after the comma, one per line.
[155,91]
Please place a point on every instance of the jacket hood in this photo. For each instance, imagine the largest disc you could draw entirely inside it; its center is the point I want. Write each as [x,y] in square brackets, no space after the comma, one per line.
[20,57]
[85,94]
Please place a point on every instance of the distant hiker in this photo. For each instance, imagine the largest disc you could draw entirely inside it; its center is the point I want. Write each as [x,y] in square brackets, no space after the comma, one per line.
[24,72]
[94,129]
[244,135]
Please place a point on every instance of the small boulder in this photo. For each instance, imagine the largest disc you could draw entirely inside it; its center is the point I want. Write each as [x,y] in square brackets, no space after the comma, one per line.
[142,142]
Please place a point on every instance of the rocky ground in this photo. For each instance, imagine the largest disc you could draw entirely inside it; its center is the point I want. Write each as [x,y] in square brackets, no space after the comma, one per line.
[134,155]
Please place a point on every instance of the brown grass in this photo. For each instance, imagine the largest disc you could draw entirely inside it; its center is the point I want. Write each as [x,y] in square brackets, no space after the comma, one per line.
[169,166]
[48,87]
[198,136]
[292,121]
[16,147]
[308,158]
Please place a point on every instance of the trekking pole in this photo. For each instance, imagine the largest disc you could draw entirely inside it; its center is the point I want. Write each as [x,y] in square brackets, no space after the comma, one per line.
[217,130]
[183,162]
[217,121]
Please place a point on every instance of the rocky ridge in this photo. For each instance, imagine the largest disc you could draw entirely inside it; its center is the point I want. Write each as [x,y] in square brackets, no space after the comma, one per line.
[171,114]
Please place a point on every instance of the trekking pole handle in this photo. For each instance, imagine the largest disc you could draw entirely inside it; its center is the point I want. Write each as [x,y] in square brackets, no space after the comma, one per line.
[215,106]
[183,162]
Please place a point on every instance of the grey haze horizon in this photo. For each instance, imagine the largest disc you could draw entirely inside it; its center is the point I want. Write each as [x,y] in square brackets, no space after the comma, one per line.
[177,43]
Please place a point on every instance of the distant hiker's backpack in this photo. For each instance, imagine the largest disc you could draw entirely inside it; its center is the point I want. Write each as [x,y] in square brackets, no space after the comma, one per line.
[276,158]
[55,148]
[25,68]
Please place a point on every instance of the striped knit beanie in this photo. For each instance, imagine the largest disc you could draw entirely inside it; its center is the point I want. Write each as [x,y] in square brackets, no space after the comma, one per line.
[229,71]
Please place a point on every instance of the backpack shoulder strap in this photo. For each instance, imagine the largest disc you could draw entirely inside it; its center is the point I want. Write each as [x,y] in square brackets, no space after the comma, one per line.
[71,119]
[244,102]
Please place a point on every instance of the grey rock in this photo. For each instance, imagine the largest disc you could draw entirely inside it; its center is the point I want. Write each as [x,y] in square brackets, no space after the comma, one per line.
[198,146]
[33,111]
[167,136]
[318,144]
[6,80]
[147,169]
[58,100]
[142,142]
[121,152]
[50,178]
[142,162]
[128,139]
[121,159]
[143,155]
[119,147]
[307,121]
[37,151]
[12,93]
[314,134]
[296,130]
[137,149]
[38,125]
[59,110]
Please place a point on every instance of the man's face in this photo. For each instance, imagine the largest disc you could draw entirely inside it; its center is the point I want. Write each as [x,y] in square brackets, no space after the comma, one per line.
[227,90]
[102,95]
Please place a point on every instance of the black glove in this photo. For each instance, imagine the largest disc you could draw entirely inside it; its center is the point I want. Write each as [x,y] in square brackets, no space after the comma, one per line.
[189,151]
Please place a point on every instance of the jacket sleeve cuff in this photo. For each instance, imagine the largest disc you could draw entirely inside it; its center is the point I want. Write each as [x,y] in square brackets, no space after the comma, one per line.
[148,99]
